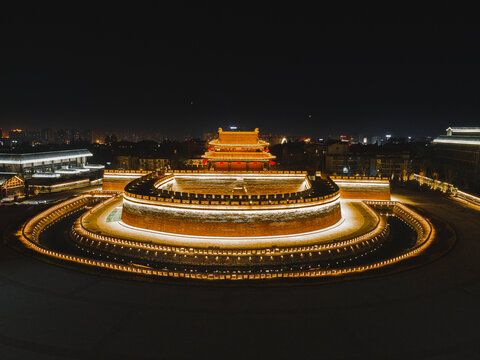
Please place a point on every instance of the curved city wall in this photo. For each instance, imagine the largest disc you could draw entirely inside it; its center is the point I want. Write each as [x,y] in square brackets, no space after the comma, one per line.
[231,221]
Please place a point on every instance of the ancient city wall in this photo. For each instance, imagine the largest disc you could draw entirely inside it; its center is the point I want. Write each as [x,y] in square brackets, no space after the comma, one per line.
[365,188]
[234,221]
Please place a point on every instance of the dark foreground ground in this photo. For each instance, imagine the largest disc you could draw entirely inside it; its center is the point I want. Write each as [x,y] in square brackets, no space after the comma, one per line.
[431,312]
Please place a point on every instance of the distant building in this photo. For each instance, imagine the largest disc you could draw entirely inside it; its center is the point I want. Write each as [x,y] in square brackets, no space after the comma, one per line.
[153,163]
[33,137]
[376,140]
[88,136]
[277,139]
[460,136]
[195,163]
[62,137]
[208,136]
[48,136]
[340,161]
[343,159]
[126,162]
[16,136]
[11,185]
[456,157]
[392,164]
[44,162]
[50,171]
[68,136]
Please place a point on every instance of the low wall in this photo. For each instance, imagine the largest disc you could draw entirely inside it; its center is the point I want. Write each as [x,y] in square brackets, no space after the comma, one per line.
[364,188]
[446,188]
[112,185]
[52,188]
[237,166]
[475,200]
[116,180]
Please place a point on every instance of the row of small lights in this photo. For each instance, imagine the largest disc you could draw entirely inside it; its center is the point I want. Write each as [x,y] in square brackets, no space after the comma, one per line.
[168,178]
[316,247]
[434,184]
[231,202]
[375,178]
[155,254]
[356,241]
[182,251]
[264,172]
[228,198]
[469,198]
[248,270]
[224,201]
[126,172]
[44,219]
[412,218]
[447,186]
[421,225]
[172,199]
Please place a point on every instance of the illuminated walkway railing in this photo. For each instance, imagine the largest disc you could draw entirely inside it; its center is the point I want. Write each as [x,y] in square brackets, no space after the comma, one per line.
[80,233]
[446,188]
[370,178]
[435,184]
[468,197]
[137,172]
[31,230]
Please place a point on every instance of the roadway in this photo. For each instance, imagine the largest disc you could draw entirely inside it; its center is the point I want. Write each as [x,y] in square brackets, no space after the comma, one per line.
[431,312]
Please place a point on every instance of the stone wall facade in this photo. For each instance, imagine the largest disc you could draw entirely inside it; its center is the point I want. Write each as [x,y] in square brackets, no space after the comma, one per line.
[363,188]
[114,185]
[232,222]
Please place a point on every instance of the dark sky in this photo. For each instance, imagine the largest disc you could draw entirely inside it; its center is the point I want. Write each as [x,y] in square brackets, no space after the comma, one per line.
[406,71]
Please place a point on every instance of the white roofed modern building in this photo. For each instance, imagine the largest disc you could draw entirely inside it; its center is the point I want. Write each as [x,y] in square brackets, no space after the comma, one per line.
[50,162]
[457,157]
[460,136]
[52,171]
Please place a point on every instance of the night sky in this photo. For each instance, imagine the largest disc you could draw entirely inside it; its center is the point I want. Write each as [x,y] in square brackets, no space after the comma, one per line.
[186,69]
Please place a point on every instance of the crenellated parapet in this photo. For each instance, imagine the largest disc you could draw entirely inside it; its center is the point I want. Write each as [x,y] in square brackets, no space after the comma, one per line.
[213,212]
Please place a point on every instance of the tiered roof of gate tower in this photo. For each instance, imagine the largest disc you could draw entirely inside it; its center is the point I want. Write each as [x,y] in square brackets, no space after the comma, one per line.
[238,150]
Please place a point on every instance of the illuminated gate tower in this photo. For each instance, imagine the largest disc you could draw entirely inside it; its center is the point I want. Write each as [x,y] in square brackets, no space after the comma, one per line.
[238,151]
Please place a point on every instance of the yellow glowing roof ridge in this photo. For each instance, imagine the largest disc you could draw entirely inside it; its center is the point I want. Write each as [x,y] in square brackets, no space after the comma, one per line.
[256,131]
[238,155]
[259,144]
[236,138]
